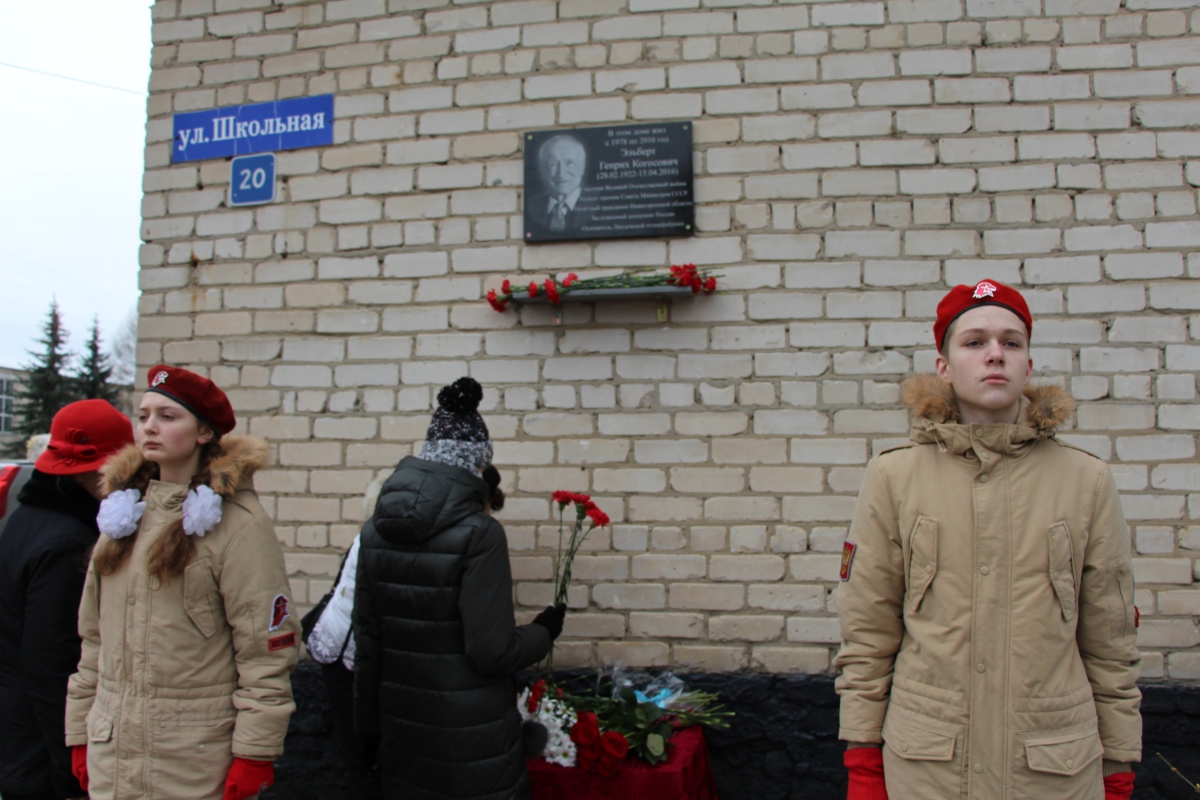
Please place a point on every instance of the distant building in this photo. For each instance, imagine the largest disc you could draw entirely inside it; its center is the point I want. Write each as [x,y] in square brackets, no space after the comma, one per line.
[10,380]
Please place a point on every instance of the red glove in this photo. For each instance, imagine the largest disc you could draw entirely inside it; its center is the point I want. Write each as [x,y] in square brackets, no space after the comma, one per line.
[79,765]
[247,778]
[866,773]
[1119,786]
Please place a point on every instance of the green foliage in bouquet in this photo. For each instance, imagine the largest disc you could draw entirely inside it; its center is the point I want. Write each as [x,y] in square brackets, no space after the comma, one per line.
[646,727]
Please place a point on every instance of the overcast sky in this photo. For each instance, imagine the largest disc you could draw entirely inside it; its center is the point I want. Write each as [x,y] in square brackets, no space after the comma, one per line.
[70,165]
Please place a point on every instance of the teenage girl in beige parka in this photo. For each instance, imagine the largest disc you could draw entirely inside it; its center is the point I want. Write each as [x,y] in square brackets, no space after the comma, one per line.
[987,601]
[183,689]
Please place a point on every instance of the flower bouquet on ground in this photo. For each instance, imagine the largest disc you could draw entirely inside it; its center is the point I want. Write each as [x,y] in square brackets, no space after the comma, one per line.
[699,280]
[610,720]
[595,726]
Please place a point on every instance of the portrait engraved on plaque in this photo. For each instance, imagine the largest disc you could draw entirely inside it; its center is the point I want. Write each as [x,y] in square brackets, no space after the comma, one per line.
[612,182]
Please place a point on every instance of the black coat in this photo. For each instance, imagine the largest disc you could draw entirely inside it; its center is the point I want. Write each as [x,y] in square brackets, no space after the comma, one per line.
[437,641]
[43,561]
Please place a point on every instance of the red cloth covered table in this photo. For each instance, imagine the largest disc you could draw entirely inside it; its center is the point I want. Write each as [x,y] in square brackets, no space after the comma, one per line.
[685,775]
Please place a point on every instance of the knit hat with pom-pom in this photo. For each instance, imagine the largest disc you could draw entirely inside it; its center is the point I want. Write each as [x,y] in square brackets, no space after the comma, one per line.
[457,435]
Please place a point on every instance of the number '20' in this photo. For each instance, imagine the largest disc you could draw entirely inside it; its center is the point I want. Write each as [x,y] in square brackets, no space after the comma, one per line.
[254,179]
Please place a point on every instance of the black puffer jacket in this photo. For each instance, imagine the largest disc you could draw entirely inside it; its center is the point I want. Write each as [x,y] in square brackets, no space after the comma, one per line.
[43,561]
[437,641]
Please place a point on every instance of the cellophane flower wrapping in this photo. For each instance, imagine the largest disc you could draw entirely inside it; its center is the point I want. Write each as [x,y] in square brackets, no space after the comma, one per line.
[558,718]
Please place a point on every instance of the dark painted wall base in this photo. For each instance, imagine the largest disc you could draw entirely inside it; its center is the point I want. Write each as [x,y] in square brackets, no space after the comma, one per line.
[782,746]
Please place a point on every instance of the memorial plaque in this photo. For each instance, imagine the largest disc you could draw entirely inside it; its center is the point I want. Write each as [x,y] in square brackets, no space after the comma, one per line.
[615,182]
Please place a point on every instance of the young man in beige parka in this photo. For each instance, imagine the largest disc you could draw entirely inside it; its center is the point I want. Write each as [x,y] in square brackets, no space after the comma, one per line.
[986,607]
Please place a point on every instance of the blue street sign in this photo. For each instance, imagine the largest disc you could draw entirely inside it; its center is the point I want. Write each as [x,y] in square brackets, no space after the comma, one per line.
[259,128]
[252,180]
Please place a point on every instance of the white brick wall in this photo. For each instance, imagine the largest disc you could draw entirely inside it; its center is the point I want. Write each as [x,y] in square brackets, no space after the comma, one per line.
[853,161]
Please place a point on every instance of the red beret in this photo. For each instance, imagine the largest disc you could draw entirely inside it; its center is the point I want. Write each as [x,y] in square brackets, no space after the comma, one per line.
[83,435]
[198,395]
[962,299]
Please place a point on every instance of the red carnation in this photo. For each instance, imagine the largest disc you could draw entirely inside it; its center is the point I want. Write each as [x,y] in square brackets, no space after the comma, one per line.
[494,301]
[535,696]
[710,285]
[686,275]
[571,278]
[580,499]
[598,517]
[506,287]
[561,497]
[533,288]
[552,291]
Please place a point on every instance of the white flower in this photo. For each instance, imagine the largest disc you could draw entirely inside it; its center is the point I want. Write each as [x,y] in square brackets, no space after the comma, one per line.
[201,511]
[558,718]
[120,512]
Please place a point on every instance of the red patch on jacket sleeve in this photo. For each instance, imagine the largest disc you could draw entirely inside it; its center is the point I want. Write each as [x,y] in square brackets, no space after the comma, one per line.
[848,550]
[281,642]
[279,612]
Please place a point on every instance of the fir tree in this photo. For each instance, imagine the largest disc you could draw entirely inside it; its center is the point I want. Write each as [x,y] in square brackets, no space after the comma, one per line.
[48,388]
[94,379]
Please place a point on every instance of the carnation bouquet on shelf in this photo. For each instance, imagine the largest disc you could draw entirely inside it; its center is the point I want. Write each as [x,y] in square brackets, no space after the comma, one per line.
[698,280]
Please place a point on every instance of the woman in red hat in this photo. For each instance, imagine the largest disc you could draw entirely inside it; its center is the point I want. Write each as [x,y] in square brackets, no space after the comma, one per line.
[43,558]
[183,688]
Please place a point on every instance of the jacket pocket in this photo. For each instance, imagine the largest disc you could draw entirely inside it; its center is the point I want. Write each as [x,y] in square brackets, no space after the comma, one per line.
[198,588]
[99,727]
[1067,754]
[922,560]
[1062,569]
[913,742]
[1122,621]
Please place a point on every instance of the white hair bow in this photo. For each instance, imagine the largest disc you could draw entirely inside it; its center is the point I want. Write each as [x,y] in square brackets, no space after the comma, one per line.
[120,513]
[201,511]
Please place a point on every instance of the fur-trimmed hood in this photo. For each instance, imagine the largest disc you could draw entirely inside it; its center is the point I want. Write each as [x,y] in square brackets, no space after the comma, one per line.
[929,397]
[241,457]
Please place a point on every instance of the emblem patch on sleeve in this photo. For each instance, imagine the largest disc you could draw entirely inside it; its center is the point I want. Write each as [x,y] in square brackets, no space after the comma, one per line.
[279,611]
[281,642]
[848,550]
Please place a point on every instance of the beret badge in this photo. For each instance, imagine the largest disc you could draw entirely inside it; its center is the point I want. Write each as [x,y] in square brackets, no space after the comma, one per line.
[984,290]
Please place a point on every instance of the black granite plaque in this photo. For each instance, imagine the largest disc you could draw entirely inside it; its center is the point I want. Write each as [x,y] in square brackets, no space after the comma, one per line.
[615,182]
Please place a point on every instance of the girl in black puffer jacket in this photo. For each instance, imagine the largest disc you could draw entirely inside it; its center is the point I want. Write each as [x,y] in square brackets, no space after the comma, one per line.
[438,644]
